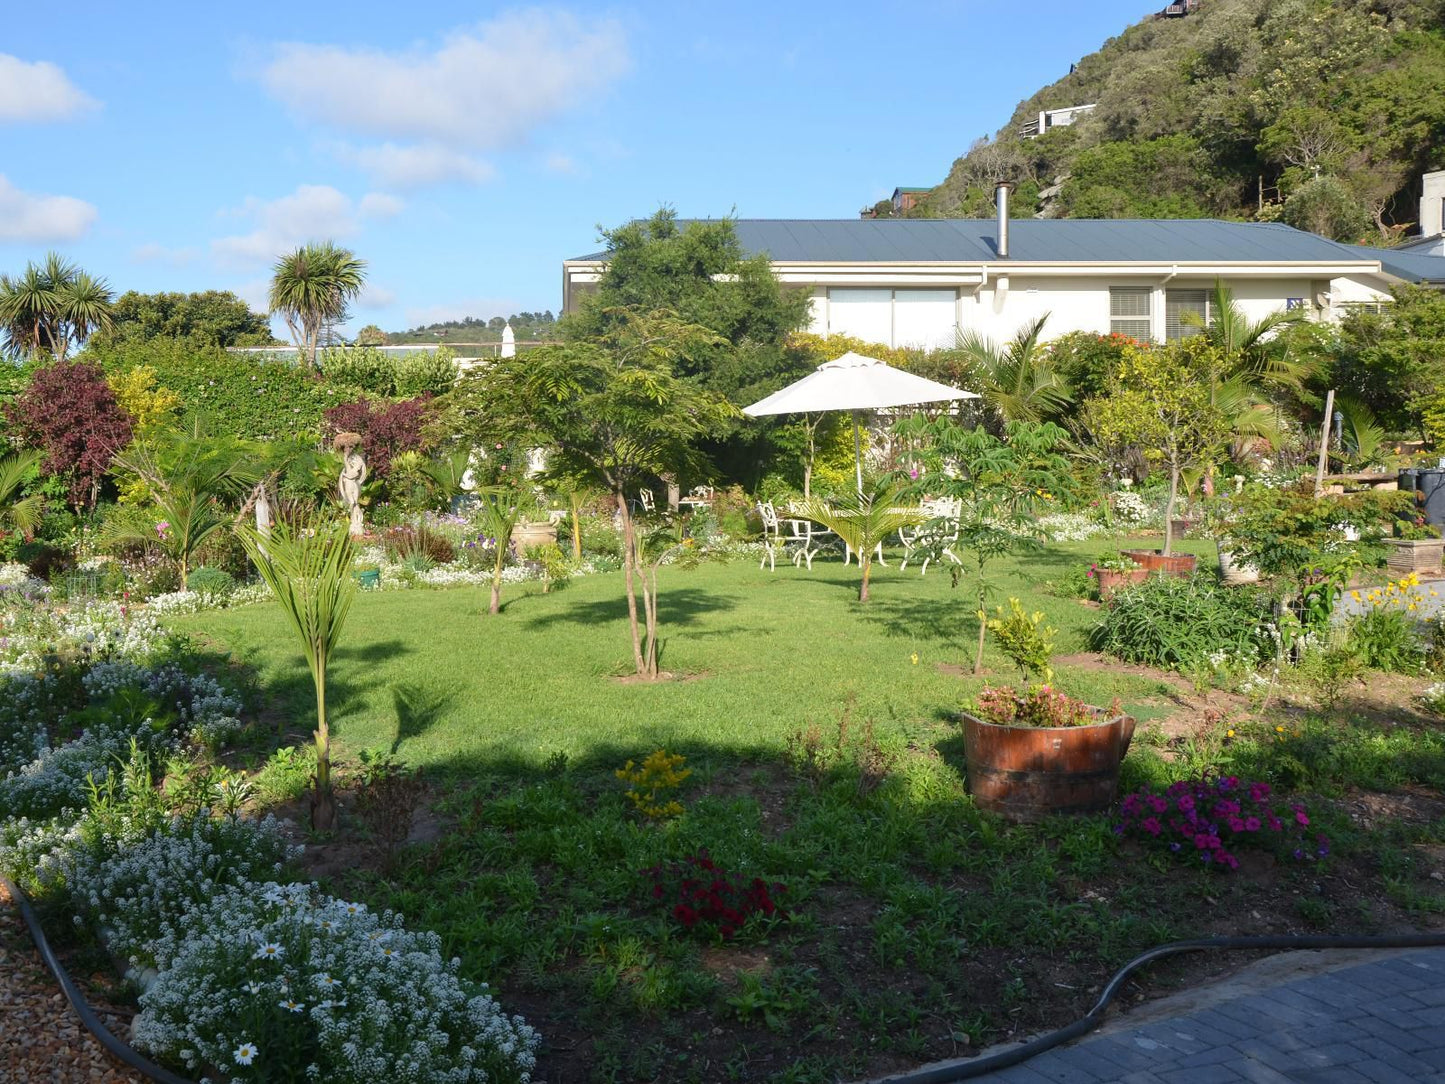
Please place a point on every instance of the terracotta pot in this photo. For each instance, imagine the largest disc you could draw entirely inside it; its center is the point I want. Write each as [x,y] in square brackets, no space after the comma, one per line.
[1176,564]
[1415,554]
[1026,773]
[525,535]
[1110,580]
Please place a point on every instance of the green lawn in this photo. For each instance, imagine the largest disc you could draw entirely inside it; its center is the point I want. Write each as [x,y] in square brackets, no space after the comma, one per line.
[917,927]
[760,653]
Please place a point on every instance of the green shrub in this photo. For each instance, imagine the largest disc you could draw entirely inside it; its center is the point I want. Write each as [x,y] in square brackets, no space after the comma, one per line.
[1387,640]
[1179,624]
[211,581]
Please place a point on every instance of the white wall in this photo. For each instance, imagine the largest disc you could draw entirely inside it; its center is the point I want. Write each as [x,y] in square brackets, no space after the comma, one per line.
[1005,305]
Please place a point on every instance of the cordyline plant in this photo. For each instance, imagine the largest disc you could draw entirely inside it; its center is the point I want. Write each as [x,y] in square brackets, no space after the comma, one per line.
[1000,486]
[610,410]
[308,569]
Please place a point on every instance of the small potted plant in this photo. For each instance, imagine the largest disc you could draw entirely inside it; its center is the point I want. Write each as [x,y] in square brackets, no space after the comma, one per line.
[1039,752]
[1415,546]
[1112,573]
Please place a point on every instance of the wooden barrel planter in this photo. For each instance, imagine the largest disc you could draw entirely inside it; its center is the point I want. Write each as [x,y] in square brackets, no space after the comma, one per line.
[1111,580]
[1026,773]
[1176,564]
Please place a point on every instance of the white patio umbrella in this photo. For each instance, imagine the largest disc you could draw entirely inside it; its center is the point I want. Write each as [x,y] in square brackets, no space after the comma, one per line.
[855,382]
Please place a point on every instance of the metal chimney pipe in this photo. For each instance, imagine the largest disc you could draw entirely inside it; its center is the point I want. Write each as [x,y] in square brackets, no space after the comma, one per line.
[1001,192]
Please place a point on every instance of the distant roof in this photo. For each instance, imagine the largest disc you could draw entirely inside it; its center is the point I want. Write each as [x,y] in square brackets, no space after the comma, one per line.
[1032,240]
[901,188]
[1410,266]
[1421,242]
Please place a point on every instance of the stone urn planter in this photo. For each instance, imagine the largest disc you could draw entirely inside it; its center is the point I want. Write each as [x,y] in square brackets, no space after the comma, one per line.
[1111,580]
[1176,564]
[1233,573]
[526,535]
[1026,773]
[1415,554]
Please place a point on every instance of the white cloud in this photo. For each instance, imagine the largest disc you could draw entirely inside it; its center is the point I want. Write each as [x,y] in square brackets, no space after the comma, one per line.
[380,205]
[562,163]
[151,252]
[375,297]
[25,216]
[38,91]
[483,88]
[314,212]
[398,166]
[256,293]
[481,307]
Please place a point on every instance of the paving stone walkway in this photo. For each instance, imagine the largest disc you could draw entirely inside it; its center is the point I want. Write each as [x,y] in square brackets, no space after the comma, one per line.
[1381,1021]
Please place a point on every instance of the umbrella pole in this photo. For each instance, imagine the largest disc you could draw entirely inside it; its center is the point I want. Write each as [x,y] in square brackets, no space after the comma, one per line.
[857,453]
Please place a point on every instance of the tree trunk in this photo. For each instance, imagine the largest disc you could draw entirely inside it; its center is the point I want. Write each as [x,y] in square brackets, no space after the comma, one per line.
[1169,509]
[865,561]
[982,631]
[629,561]
[674,493]
[496,603]
[323,802]
[576,501]
[649,605]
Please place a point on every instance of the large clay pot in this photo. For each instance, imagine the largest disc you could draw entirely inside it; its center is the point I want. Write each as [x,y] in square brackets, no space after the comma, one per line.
[1111,580]
[1176,564]
[525,535]
[1026,773]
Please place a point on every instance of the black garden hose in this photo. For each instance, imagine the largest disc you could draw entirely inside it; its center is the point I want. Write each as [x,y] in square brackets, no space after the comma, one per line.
[967,1070]
[941,1074]
[107,1039]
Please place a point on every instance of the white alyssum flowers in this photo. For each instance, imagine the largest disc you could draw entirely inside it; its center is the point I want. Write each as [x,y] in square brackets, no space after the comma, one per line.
[406,1016]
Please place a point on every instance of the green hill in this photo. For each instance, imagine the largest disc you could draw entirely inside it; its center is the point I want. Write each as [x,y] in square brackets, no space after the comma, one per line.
[1322,113]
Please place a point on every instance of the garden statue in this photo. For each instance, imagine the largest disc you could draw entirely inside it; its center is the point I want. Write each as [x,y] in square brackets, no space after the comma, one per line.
[353,474]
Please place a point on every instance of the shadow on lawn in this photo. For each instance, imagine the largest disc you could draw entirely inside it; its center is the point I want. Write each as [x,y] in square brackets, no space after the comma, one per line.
[418,708]
[947,620]
[675,606]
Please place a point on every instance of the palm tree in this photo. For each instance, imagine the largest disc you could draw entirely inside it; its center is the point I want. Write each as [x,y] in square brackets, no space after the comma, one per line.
[311,288]
[862,521]
[1017,381]
[309,571]
[186,474]
[21,515]
[49,307]
[1251,348]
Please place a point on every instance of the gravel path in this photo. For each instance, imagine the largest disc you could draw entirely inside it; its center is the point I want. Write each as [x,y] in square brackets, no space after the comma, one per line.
[41,1040]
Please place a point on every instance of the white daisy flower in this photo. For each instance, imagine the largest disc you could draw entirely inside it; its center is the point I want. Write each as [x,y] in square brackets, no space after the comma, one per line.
[291,1006]
[270,950]
[245,1053]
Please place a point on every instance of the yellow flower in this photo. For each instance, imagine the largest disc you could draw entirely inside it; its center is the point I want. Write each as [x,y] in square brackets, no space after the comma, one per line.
[1280,729]
[1230,734]
[1355,595]
[914,657]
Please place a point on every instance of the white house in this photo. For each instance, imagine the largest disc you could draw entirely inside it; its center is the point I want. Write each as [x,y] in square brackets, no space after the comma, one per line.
[915,281]
[1431,241]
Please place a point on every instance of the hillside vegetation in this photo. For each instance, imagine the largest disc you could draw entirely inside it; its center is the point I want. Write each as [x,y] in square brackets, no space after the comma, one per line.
[1322,113]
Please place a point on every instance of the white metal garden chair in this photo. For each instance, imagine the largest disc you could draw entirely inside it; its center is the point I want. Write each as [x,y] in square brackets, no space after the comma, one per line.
[937,534]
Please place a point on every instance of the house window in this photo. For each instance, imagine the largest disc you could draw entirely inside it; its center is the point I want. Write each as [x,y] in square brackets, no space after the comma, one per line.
[1129,311]
[919,318]
[1374,308]
[1179,302]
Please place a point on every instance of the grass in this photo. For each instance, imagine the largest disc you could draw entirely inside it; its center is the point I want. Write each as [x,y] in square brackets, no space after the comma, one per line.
[430,675]
[917,928]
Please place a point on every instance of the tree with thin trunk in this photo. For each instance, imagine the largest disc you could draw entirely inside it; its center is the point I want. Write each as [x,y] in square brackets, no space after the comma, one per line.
[1001,486]
[1165,400]
[611,411]
[499,510]
[308,569]
[311,288]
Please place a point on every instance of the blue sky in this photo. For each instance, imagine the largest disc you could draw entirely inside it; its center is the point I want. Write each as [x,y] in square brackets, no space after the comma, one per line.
[465,150]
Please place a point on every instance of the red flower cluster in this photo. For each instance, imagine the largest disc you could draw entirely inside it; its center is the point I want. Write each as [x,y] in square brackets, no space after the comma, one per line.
[704,898]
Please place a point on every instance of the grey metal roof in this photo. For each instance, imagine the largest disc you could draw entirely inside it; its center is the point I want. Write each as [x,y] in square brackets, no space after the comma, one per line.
[1410,266]
[1057,240]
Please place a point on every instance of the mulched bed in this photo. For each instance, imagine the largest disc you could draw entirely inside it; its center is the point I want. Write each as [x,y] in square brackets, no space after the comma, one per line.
[40,1038]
